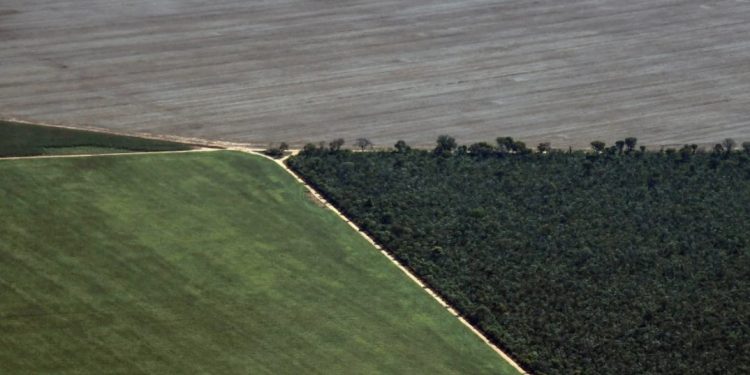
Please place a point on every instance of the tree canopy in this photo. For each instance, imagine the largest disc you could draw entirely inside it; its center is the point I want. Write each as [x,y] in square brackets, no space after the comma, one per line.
[618,261]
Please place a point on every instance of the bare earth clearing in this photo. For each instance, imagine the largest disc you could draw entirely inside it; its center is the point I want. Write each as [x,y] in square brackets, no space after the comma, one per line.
[668,72]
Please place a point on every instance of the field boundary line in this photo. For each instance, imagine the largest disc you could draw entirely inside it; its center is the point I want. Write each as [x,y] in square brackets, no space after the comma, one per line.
[390,257]
[190,141]
[108,154]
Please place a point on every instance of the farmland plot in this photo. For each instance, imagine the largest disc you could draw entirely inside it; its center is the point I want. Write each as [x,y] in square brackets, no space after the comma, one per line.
[203,263]
[667,72]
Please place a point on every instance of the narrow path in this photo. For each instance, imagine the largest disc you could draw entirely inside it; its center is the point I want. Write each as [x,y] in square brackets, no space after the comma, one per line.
[388,255]
[202,149]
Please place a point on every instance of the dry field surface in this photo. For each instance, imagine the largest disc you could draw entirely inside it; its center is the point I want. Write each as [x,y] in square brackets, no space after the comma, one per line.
[668,72]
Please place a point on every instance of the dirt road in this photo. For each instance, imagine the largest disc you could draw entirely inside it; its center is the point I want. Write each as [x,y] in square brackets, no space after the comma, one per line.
[106,154]
[390,257]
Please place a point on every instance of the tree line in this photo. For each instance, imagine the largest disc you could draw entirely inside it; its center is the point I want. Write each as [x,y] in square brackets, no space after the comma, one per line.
[446,144]
[616,260]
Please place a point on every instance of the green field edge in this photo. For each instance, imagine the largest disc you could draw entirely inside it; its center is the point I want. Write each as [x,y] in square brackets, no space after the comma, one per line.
[412,273]
[301,190]
[18,139]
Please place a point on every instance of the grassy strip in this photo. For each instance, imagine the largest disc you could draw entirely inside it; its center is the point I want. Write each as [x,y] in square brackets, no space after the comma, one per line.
[30,140]
[203,263]
[82,150]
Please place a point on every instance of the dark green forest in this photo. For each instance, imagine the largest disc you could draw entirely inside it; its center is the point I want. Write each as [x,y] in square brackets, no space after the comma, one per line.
[29,140]
[611,261]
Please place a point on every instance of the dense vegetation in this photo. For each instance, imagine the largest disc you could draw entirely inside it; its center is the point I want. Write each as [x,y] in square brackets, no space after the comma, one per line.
[203,263]
[29,140]
[615,261]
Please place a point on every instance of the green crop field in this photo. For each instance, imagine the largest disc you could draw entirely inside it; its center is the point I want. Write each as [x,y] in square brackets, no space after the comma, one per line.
[203,263]
[29,140]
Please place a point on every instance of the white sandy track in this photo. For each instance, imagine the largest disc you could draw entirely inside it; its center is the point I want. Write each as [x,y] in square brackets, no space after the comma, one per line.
[125,153]
[388,255]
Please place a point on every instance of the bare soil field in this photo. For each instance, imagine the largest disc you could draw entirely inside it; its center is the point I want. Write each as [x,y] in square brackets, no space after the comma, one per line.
[667,72]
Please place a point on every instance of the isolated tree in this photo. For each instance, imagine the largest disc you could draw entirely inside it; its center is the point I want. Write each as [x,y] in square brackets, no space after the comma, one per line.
[620,145]
[336,144]
[505,144]
[719,148]
[520,148]
[598,146]
[445,145]
[544,147]
[363,143]
[728,144]
[274,152]
[283,146]
[401,146]
[630,143]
